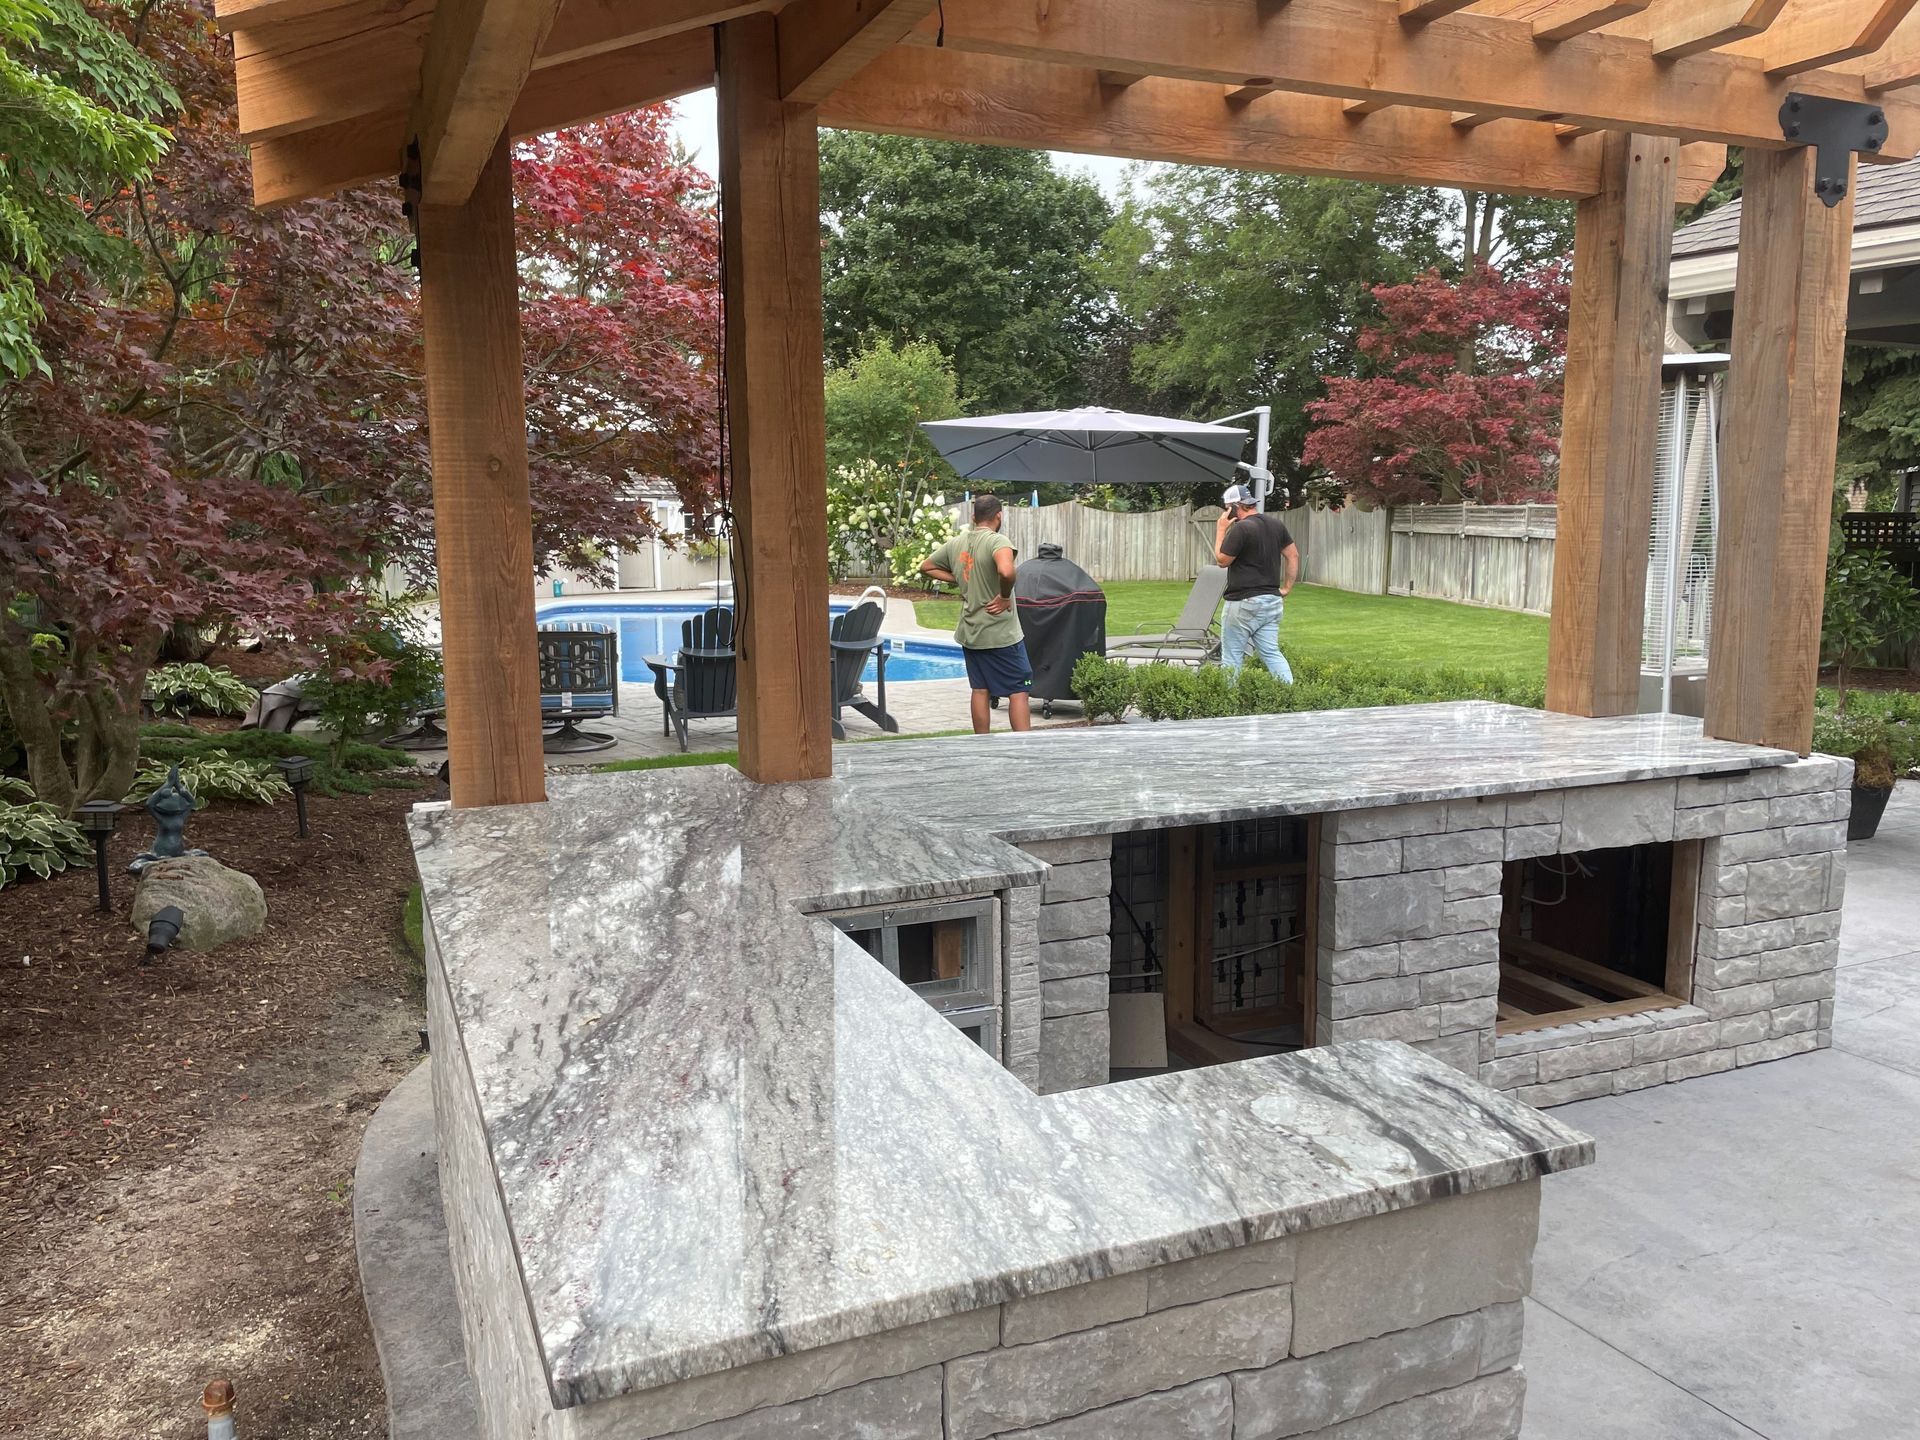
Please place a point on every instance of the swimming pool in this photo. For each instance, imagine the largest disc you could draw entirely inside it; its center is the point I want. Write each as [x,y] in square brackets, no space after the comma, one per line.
[651,628]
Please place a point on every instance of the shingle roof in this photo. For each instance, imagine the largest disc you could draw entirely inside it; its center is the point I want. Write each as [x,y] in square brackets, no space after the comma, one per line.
[1883,195]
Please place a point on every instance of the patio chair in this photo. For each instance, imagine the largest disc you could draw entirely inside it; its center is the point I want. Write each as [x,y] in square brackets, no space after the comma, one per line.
[579,680]
[855,636]
[700,682]
[1194,638]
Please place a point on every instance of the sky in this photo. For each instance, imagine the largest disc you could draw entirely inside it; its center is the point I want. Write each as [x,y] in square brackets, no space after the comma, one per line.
[694,123]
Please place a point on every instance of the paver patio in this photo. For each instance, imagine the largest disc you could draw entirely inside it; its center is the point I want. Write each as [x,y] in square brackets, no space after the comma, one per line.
[1741,1260]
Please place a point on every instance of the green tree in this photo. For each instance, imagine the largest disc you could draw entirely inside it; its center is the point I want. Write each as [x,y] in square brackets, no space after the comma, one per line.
[980,250]
[1879,424]
[1239,288]
[876,401]
[77,102]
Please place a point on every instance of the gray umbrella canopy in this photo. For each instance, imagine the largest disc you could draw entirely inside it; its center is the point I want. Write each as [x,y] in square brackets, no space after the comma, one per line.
[1088,446]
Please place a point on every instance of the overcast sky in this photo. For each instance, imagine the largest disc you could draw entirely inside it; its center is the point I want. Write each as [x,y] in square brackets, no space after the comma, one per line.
[695,121]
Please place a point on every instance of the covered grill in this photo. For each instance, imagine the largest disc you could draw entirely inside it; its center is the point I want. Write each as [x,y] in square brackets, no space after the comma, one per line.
[1063,615]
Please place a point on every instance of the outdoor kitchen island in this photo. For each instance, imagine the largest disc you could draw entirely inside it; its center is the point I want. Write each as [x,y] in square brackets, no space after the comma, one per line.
[709,1169]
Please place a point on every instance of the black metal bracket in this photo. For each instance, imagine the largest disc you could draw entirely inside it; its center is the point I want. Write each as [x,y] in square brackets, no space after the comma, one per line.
[1836,129]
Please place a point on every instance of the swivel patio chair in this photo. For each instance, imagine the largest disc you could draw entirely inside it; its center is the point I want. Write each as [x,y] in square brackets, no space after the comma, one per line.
[579,680]
[855,636]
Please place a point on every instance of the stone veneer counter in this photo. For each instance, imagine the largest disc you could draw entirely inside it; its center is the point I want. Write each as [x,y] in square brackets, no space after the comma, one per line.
[722,1132]
[1055,783]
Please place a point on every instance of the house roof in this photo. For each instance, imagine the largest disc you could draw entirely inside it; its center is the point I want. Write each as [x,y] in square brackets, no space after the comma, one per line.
[1883,195]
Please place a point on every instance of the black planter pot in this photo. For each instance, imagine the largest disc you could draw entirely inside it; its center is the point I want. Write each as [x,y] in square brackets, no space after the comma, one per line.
[1869,804]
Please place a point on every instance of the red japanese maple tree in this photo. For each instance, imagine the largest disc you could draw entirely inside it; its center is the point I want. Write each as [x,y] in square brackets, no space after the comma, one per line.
[1464,399]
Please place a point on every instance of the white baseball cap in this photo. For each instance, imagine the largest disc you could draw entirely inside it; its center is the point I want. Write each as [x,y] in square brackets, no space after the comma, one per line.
[1238,495]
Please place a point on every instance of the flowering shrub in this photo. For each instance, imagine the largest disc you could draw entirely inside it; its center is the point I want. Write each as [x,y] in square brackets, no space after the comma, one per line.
[881,520]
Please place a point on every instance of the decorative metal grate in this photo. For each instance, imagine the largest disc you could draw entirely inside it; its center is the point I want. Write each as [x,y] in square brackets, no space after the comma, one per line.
[578,663]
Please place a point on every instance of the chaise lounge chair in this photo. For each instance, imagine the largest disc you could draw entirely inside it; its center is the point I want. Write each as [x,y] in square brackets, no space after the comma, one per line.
[856,635]
[1194,638]
[579,680]
[700,683]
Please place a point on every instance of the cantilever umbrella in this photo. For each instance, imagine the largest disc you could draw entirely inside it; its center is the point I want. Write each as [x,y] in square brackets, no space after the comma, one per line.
[1088,446]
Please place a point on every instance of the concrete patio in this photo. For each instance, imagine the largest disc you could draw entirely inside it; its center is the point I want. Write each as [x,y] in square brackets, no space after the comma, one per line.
[1741,1261]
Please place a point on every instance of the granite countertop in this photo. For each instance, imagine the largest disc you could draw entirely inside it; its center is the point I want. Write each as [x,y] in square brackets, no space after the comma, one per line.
[723,1132]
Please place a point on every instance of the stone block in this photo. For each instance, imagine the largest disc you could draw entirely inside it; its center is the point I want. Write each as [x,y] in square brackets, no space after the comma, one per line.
[1391,1272]
[901,1407]
[1768,935]
[1074,1052]
[1390,822]
[1078,1307]
[1463,982]
[1552,1037]
[1305,1396]
[1837,880]
[1063,959]
[1604,816]
[1565,1092]
[1610,1027]
[1372,962]
[1721,878]
[1543,808]
[1074,920]
[1462,917]
[1743,1029]
[1738,999]
[1462,1015]
[1478,812]
[1810,808]
[1374,910]
[1792,1019]
[1529,842]
[1717,972]
[1791,885]
[1704,820]
[1201,1411]
[1720,909]
[1368,857]
[1564,1064]
[1504,1072]
[1374,997]
[1458,847]
[1792,989]
[1260,1266]
[1070,849]
[1639,1077]
[1445,952]
[1707,1062]
[1502,1328]
[1031,1385]
[1820,956]
[1408,1025]
[1682,1040]
[1763,1050]
[1460,1050]
[1074,996]
[1082,880]
[1485,1409]
[1470,882]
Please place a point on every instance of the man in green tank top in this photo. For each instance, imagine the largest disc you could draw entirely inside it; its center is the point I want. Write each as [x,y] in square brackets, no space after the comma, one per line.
[981,563]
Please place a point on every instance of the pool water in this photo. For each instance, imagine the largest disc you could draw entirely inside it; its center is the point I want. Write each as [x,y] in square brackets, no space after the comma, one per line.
[654,629]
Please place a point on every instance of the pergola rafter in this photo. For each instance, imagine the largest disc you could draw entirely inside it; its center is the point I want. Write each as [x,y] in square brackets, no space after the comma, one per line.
[1622,105]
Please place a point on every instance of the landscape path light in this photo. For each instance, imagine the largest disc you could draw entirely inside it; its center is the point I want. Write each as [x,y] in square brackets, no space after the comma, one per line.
[97,819]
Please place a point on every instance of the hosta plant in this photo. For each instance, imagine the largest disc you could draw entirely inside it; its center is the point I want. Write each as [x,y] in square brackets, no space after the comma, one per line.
[209,689]
[36,841]
[215,775]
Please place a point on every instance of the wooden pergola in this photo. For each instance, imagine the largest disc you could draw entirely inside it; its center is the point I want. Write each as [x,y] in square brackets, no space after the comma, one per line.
[1622,105]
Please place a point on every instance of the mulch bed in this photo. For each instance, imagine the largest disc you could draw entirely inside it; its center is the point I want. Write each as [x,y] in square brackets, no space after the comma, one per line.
[177,1141]
[1875,679]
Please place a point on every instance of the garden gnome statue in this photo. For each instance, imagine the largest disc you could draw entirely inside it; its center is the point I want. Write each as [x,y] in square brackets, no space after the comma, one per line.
[169,806]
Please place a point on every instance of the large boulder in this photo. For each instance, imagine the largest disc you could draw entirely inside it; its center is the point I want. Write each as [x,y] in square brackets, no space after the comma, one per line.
[220,904]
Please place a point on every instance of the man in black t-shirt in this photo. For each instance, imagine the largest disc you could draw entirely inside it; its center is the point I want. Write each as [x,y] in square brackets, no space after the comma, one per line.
[1261,561]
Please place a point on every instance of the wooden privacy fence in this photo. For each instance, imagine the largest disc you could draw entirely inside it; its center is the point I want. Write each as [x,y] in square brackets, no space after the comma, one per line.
[1116,544]
[1495,555]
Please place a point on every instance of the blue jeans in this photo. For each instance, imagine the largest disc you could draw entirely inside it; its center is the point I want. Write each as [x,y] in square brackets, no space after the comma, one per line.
[1254,623]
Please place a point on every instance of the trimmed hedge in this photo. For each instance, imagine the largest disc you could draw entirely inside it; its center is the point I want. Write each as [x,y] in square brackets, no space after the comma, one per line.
[1111,688]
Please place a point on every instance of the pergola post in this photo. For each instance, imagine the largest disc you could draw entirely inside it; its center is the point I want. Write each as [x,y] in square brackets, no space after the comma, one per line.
[483,525]
[1616,332]
[1779,440]
[776,408]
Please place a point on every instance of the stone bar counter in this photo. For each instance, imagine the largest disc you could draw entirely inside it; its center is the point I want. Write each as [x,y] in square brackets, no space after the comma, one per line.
[710,1170]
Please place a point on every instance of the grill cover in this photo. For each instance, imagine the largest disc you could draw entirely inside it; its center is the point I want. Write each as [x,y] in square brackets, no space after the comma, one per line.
[1063,615]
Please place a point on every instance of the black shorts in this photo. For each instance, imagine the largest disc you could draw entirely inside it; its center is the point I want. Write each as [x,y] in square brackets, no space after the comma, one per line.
[1000,672]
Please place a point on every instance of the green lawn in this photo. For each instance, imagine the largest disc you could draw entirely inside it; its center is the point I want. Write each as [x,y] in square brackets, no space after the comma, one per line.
[1327,625]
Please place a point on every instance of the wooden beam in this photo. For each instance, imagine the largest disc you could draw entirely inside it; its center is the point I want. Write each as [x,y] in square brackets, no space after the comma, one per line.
[229,15]
[1823,32]
[826,42]
[1471,121]
[1557,20]
[1357,49]
[1897,64]
[1615,335]
[482,519]
[1696,26]
[776,409]
[1119,79]
[352,152]
[1419,12]
[1249,92]
[1781,430]
[1360,109]
[479,54]
[947,94]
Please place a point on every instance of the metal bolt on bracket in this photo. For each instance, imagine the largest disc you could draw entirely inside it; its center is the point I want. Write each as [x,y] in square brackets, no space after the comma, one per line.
[1836,129]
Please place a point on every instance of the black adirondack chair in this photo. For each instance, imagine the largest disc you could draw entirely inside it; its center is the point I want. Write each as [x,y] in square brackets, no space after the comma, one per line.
[700,683]
[855,636]
[579,680]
